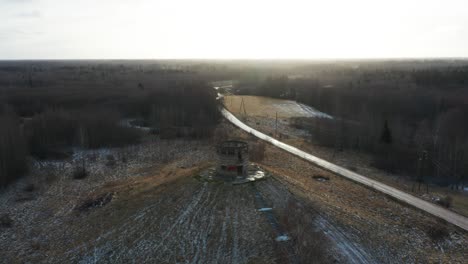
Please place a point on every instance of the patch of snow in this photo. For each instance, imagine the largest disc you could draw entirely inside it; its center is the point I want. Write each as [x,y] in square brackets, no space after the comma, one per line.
[282,238]
[127,123]
[312,112]
[294,108]
[351,250]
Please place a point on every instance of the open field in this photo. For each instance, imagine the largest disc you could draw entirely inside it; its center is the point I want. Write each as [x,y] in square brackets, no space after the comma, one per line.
[268,107]
[388,231]
[157,211]
[154,211]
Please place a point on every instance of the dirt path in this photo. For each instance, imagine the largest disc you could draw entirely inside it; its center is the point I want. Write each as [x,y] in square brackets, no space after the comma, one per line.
[430,208]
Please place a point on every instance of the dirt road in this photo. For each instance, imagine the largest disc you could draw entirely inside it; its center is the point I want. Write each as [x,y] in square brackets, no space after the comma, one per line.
[430,208]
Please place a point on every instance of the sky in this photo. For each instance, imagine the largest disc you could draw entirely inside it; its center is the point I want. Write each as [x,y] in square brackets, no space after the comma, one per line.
[240,29]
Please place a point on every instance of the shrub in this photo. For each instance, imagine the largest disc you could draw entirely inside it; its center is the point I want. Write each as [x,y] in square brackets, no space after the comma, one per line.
[80,172]
[438,231]
[445,201]
[110,160]
[96,202]
[257,151]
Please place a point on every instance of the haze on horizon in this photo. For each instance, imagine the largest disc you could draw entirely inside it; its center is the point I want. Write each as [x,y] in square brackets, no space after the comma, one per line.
[242,29]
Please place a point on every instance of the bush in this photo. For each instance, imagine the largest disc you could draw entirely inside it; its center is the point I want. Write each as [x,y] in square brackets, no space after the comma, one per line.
[257,151]
[445,201]
[110,160]
[96,202]
[437,232]
[80,172]
[13,154]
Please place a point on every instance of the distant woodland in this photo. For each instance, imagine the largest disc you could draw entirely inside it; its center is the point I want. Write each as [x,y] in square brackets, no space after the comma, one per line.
[410,116]
[49,108]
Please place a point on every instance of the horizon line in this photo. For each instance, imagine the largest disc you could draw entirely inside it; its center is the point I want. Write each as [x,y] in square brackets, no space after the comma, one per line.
[245,59]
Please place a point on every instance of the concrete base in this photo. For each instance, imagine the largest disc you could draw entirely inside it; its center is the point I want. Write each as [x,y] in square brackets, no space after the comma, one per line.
[254,173]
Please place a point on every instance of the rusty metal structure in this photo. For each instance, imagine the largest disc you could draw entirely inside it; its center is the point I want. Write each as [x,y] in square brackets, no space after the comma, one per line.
[233,159]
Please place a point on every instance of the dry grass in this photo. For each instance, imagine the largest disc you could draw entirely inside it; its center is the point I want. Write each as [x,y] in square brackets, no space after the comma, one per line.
[380,223]
[260,106]
[263,107]
[164,217]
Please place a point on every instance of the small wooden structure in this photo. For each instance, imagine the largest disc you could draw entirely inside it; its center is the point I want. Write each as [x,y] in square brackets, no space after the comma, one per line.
[233,159]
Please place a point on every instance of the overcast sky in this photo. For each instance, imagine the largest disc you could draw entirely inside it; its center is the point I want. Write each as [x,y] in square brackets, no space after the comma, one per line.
[307,29]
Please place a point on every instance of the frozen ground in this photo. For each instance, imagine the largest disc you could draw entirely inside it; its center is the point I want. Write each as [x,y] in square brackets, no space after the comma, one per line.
[42,201]
[258,106]
[295,109]
[148,221]
[159,213]
[141,204]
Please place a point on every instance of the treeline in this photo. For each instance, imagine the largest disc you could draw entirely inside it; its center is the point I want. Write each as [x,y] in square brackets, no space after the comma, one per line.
[13,149]
[412,121]
[436,77]
[50,133]
[48,119]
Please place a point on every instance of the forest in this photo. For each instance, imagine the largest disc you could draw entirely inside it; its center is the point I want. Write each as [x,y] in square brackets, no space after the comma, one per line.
[410,116]
[48,109]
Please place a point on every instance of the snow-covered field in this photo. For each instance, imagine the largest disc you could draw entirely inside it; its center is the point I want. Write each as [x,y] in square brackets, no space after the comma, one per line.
[295,109]
[159,213]
[51,203]
[182,221]
[149,219]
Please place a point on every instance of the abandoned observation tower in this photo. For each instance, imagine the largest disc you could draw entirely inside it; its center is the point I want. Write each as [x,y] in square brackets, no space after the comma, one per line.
[233,159]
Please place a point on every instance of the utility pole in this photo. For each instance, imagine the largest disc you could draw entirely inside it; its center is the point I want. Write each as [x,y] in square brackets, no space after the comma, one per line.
[422,164]
[276,124]
[242,107]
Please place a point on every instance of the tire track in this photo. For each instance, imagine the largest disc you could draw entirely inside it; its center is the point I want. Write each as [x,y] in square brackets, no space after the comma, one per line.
[347,247]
